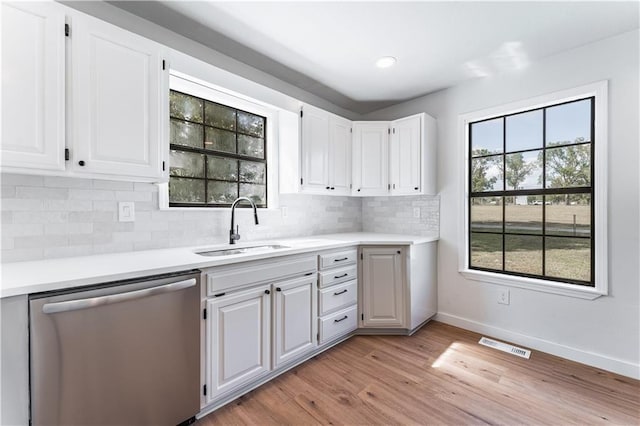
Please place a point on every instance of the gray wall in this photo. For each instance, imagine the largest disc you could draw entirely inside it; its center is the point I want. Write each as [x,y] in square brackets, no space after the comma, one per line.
[607,329]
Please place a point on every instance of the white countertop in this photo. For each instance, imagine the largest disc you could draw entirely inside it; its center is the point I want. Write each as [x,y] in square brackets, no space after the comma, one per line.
[56,274]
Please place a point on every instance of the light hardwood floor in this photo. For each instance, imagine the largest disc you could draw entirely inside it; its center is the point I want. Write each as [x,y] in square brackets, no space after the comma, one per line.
[440,376]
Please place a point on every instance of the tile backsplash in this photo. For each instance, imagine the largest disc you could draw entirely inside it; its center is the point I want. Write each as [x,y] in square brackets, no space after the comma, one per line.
[47,217]
[395,215]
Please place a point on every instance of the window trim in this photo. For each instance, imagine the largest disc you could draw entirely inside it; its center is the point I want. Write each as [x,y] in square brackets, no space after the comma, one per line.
[193,86]
[599,91]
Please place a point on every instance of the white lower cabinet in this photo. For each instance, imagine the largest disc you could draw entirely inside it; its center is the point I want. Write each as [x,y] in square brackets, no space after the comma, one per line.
[337,294]
[383,287]
[238,339]
[294,314]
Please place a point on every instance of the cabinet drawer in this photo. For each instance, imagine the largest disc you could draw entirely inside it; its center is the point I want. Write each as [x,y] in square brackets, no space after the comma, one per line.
[335,325]
[338,275]
[339,258]
[338,297]
[244,274]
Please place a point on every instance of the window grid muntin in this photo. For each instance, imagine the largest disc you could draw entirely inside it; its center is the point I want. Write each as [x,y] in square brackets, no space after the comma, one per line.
[223,154]
[544,191]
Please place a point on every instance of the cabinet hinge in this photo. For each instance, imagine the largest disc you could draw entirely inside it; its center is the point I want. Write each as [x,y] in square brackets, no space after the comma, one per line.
[301,180]
[204,390]
[394,130]
[67,30]
[389,131]
[204,313]
[163,166]
[301,113]
[350,186]
[318,337]
[362,317]
[66,154]
[388,186]
[351,130]
[361,256]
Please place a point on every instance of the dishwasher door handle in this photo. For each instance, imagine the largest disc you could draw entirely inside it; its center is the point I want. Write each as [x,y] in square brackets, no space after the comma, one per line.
[74,305]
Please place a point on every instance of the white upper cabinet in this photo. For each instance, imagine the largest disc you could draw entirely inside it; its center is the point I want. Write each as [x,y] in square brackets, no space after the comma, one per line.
[118,101]
[370,158]
[315,150]
[33,77]
[339,156]
[326,152]
[405,155]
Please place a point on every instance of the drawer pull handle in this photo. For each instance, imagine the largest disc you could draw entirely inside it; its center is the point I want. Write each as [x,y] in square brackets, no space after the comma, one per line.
[340,292]
[308,273]
[341,319]
[340,276]
[340,260]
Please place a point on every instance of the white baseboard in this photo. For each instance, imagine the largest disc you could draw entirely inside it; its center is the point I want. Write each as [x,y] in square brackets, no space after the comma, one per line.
[604,362]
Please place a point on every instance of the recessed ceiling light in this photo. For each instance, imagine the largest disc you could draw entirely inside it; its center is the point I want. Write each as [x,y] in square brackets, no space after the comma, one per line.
[386,62]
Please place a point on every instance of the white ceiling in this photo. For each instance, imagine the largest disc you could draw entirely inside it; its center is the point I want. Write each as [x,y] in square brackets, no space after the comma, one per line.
[329,48]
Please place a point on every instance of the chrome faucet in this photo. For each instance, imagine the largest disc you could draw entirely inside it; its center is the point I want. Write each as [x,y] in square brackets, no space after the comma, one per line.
[233,236]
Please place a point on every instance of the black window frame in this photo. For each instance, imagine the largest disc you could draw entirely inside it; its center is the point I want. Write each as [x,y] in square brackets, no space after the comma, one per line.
[543,192]
[220,154]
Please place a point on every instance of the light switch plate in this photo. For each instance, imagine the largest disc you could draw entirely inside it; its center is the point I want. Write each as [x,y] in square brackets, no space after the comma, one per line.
[416,212]
[126,211]
[284,211]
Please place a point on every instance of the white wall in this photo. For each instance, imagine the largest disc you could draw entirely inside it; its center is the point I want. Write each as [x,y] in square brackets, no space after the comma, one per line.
[604,332]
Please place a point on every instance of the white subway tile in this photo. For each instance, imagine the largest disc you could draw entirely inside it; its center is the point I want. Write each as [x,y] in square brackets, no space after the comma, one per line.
[20,255]
[113,185]
[21,204]
[67,205]
[43,241]
[24,180]
[22,230]
[91,194]
[66,182]
[133,196]
[131,237]
[68,228]
[40,217]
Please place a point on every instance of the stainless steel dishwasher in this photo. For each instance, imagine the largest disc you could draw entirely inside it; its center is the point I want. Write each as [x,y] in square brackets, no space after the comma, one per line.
[123,353]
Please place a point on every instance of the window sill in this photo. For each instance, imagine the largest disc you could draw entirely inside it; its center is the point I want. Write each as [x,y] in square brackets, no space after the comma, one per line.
[570,290]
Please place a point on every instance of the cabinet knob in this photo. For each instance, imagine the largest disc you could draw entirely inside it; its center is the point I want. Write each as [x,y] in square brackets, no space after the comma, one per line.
[267,292]
[81,162]
[399,252]
[358,189]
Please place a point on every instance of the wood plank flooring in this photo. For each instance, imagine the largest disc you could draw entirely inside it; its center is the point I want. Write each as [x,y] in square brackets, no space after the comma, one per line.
[440,376]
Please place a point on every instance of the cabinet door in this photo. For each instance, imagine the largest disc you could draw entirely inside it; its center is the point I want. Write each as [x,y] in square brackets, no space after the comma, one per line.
[315,150]
[238,336]
[33,76]
[406,155]
[295,314]
[383,287]
[371,158]
[119,92]
[340,156]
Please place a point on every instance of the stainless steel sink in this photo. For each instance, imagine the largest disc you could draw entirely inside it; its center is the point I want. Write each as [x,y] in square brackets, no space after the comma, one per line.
[241,250]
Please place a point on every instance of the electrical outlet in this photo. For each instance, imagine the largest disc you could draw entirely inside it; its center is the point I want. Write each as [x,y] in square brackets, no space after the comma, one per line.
[416,212]
[284,211]
[126,211]
[503,296]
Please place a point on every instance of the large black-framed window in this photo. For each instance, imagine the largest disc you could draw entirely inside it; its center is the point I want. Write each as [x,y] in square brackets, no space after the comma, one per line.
[218,153]
[531,197]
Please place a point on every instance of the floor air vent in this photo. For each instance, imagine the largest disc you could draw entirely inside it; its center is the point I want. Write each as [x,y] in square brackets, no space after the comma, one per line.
[505,347]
